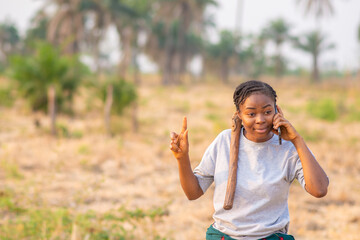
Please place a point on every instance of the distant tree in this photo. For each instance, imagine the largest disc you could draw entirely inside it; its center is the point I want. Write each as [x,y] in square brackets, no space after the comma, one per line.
[48,80]
[116,94]
[278,31]
[129,18]
[97,22]
[173,27]
[252,59]
[9,41]
[318,8]
[66,26]
[38,27]
[313,43]
[223,52]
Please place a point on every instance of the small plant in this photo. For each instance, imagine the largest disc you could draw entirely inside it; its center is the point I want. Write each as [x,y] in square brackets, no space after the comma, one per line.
[11,169]
[61,223]
[311,136]
[84,149]
[218,124]
[6,98]
[8,204]
[117,94]
[210,105]
[325,109]
[353,114]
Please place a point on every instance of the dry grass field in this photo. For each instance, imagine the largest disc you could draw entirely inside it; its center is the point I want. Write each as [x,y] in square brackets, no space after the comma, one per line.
[86,185]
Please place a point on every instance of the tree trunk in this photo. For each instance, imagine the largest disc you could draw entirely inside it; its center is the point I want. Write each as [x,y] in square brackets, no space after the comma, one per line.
[97,58]
[52,109]
[224,70]
[176,72]
[126,51]
[315,73]
[167,64]
[278,63]
[182,45]
[108,105]
[135,124]
[137,79]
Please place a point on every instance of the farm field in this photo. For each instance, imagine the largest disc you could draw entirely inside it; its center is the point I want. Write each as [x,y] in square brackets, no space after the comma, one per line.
[87,185]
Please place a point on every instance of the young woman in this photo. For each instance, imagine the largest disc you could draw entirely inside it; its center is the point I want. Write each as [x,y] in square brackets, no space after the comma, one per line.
[265,169]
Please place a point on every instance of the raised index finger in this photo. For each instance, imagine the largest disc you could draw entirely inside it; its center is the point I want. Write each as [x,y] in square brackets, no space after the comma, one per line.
[184,125]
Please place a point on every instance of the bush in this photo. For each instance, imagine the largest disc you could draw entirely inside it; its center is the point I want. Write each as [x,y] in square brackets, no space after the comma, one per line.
[325,109]
[6,98]
[124,93]
[46,67]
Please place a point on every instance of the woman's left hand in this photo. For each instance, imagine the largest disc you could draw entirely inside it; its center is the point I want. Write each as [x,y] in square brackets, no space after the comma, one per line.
[288,132]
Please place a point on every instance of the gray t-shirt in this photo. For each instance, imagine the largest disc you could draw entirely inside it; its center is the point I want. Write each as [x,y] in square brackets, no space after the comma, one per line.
[265,172]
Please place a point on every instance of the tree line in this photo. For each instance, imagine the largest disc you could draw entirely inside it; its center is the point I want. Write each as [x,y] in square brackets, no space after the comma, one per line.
[170,32]
[45,61]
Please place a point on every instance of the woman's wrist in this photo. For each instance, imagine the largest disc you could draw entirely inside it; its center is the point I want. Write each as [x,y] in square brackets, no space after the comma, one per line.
[183,158]
[298,139]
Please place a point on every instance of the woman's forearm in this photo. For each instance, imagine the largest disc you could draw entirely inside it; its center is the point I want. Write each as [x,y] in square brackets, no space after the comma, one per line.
[188,180]
[316,179]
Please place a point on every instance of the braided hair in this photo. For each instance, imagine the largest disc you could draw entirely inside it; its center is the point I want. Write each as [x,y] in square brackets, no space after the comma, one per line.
[245,89]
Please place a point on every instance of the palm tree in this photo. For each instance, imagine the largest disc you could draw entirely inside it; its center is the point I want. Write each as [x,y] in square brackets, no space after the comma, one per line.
[252,60]
[48,80]
[278,32]
[38,28]
[66,27]
[95,13]
[223,52]
[9,40]
[174,24]
[128,16]
[319,8]
[314,44]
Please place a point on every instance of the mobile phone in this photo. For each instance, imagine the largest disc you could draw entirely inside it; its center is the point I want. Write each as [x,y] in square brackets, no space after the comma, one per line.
[279,131]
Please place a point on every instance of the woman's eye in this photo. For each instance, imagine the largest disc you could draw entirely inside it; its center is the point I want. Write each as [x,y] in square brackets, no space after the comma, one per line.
[268,112]
[251,114]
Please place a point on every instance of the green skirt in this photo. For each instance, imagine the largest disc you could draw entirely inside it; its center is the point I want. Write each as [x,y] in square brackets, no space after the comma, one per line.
[214,234]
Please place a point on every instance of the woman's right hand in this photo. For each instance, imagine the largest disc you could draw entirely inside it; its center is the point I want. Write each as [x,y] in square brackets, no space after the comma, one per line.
[179,144]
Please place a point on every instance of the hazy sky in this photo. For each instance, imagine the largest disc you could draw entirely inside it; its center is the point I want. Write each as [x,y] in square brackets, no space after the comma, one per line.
[341,29]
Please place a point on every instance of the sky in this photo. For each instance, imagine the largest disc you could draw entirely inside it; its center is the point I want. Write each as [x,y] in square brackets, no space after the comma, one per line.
[341,28]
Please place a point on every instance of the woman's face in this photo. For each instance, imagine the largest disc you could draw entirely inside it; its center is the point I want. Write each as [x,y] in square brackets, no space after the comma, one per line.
[257,113]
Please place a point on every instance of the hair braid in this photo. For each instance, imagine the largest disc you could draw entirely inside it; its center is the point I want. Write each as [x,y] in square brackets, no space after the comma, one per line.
[244,90]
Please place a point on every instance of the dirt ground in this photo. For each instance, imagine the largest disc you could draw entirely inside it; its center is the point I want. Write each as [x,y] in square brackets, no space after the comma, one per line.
[89,170]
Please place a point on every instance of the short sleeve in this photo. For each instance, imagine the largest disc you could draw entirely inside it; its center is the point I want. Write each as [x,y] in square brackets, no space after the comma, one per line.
[295,168]
[299,174]
[206,169]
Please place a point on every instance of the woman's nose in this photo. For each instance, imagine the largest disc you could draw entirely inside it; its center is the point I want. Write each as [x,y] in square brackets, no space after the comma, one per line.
[260,118]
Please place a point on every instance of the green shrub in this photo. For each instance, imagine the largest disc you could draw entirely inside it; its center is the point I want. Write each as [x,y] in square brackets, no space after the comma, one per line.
[325,109]
[311,136]
[6,98]
[124,93]
[8,204]
[353,114]
[46,67]
[11,169]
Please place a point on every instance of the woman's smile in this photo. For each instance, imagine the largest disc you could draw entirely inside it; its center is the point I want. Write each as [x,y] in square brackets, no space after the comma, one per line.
[257,113]
[261,130]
